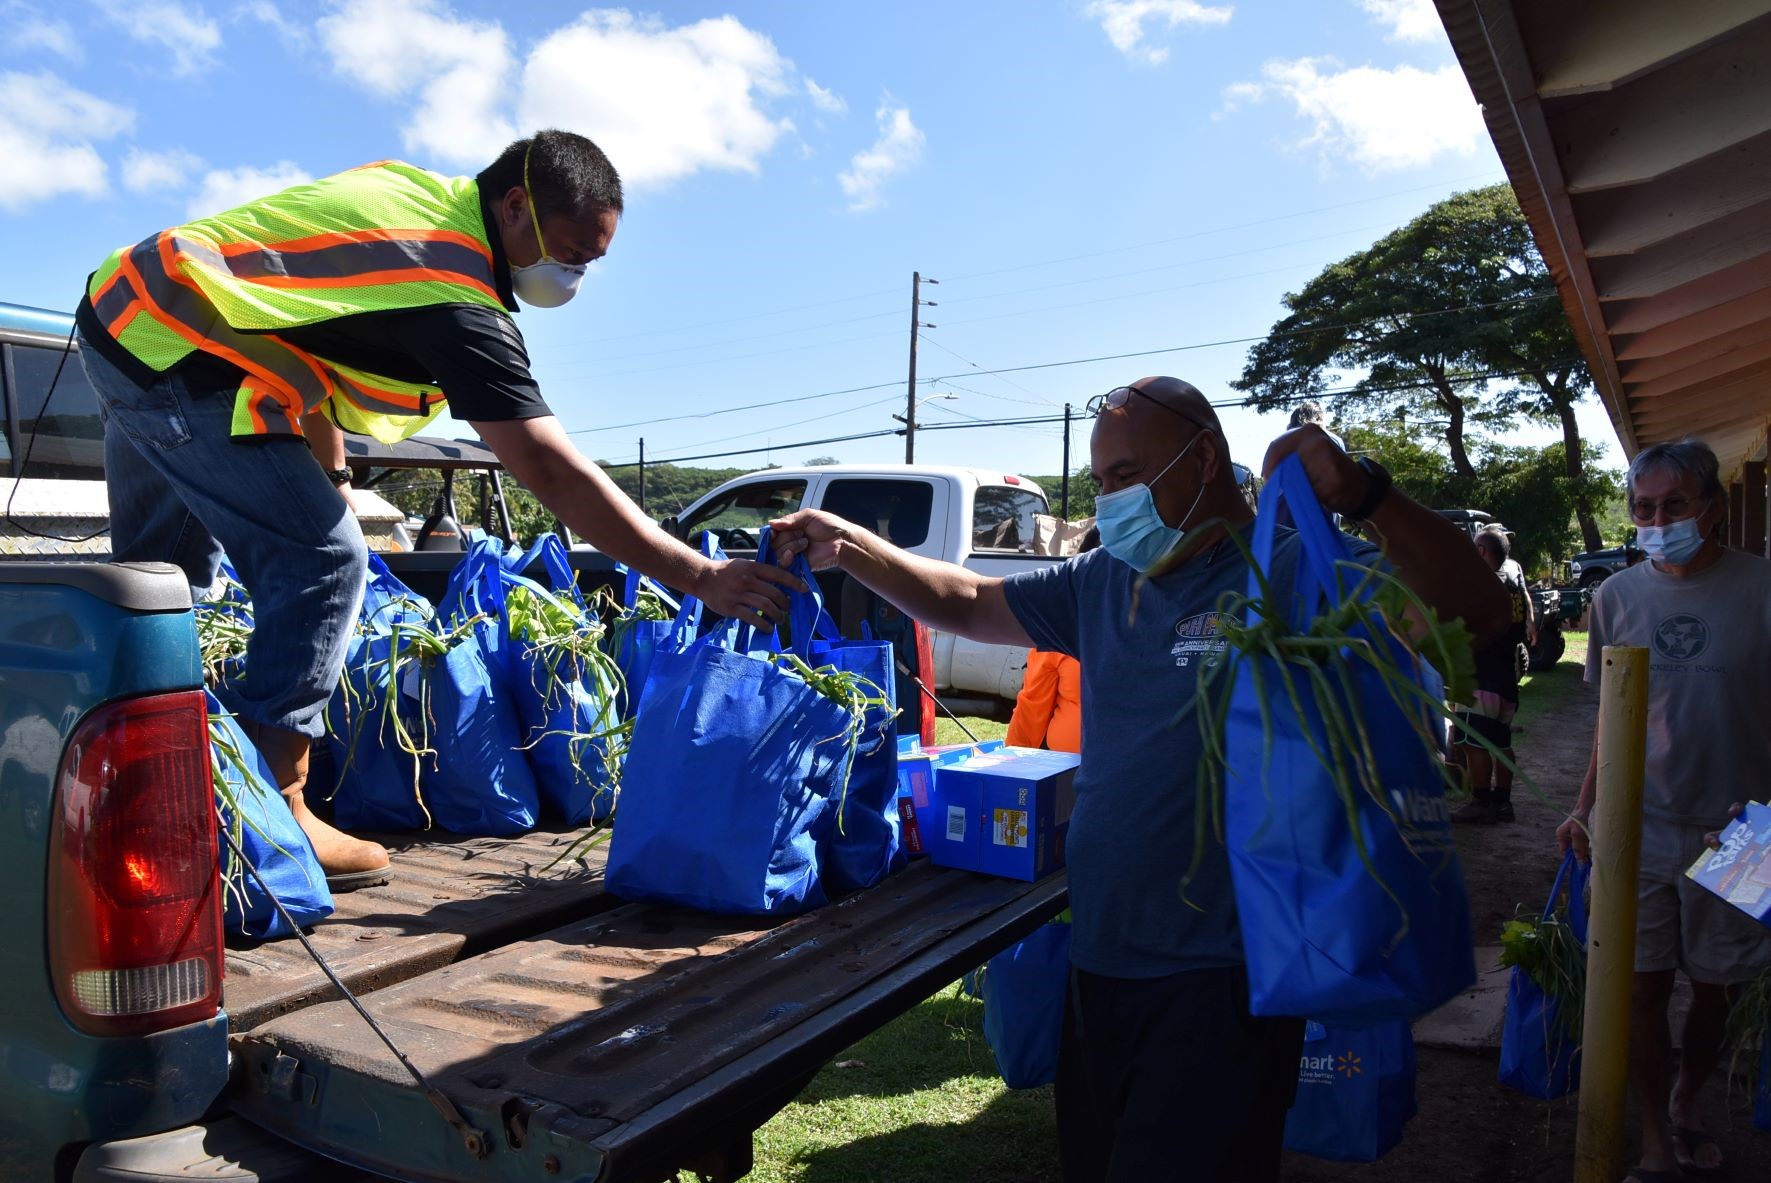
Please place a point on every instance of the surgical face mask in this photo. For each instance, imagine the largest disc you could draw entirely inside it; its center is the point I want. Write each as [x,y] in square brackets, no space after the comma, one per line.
[1131,529]
[547,282]
[1675,543]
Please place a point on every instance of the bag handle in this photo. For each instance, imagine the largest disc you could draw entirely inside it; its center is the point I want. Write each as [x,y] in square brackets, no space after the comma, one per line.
[1319,578]
[806,617]
[554,560]
[1575,875]
[688,616]
[476,585]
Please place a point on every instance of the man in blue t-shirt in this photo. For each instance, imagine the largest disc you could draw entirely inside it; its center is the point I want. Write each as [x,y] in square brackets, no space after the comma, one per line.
[1163,1072]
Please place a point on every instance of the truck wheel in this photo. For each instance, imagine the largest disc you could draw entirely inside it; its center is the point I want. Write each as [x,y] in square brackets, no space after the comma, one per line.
[1550,647]
[1592,579]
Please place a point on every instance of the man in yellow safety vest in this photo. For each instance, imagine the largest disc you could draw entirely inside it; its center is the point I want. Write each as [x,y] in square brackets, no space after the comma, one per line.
[231,353]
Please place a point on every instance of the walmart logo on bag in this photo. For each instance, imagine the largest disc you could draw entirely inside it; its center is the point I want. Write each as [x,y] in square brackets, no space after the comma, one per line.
[1349,1065]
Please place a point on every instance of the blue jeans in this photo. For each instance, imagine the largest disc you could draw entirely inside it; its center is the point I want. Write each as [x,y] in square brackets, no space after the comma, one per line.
[183,491]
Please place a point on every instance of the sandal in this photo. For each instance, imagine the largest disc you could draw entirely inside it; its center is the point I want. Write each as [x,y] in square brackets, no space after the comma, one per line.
[1687,1142]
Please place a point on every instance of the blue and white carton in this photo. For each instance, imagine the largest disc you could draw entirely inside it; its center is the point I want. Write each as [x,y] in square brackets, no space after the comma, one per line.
[1004,812]
[1740,869]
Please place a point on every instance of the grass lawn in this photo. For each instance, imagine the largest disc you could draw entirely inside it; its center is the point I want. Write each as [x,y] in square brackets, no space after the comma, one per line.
[1544,692]
[947,731]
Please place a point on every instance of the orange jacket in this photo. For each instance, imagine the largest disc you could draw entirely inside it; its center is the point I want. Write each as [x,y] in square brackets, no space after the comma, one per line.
[1049,709]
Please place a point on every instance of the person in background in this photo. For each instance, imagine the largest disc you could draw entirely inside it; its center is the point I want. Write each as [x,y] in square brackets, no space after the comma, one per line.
[1704,614]
[1163,1072]
[1048,711]
[1305,413]
[1497,695]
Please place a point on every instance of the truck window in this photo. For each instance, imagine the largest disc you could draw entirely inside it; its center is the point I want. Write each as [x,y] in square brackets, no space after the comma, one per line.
[1002,518]
[897,510]
[736,515]
[70,437]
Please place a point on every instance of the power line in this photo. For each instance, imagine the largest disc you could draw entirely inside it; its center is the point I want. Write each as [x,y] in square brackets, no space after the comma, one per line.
[1303,331]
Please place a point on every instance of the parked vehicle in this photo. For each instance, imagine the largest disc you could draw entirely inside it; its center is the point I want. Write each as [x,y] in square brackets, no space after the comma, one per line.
[981,519]
[559,1033]
[1595,566]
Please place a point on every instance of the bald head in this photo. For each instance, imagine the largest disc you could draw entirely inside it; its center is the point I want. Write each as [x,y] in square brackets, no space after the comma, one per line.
[1162,419]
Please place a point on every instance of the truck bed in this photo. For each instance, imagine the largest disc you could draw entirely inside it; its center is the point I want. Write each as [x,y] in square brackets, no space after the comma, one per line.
[450,897]
[620,1045]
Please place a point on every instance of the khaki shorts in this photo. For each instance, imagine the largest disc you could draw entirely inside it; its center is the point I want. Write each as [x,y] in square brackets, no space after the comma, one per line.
[1680,925]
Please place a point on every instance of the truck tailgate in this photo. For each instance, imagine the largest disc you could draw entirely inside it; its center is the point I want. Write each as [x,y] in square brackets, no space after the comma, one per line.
[624,1045]
[450,897]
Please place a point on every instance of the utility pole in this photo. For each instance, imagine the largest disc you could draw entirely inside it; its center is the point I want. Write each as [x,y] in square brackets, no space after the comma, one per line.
[1064,497]
[643,473]
[916,306]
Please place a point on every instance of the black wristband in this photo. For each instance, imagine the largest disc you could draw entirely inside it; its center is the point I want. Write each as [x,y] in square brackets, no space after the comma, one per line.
[339,476]
[1375,492]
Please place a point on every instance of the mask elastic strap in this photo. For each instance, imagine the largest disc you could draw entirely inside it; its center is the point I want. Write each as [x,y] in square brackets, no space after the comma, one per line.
[536,221]
[1151,484]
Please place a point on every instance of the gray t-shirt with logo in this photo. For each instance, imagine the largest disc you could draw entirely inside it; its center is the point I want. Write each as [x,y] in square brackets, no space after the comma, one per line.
[1708,638]
[1132,833]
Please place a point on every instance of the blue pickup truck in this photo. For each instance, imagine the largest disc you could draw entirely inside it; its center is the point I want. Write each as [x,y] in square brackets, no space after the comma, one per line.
[546,1030]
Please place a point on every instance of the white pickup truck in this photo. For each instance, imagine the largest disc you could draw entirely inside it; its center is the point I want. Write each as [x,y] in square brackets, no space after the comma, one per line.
[980,518]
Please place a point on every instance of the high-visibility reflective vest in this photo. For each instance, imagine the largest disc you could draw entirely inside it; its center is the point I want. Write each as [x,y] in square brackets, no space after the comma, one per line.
[384,236]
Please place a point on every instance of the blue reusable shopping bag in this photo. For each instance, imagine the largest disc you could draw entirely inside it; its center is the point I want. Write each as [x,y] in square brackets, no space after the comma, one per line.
[1355,1091]
[866,845]
[268,836]
[1024,988]
[725,799]
[387,601]
[373,782]
[475,778]
[1324,933]
[1536,1056]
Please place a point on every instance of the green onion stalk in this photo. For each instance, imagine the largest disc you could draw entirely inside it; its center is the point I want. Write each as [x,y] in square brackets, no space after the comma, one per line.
[568,646]
[408,642]
[1380,631]
[224,626]
[1546,950]
[1749,1024]
[856,695]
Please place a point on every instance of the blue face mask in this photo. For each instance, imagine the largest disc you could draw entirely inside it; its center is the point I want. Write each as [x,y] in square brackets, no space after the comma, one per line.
[1131,529]
[1675,543]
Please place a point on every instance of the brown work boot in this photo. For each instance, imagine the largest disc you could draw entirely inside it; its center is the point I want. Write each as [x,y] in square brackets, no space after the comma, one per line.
[349,862]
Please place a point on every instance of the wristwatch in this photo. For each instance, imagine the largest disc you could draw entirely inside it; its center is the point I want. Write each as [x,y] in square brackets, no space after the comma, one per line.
[1375,492]
[339,476]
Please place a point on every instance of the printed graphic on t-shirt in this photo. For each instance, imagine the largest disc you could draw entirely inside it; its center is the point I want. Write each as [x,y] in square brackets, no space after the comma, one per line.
[1681,637]
[1197,637]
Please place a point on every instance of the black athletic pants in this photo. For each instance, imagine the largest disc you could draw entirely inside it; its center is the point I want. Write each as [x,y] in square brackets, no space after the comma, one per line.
[1171,1078]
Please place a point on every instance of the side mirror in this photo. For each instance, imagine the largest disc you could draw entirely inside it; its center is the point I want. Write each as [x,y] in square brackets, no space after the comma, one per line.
[670,527]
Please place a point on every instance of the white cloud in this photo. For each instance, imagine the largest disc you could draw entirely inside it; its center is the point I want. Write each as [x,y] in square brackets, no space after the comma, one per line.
[662,102]
[898,147]
[224,188]
[1382,120]
[1123,22]
[28,29]
[457,70]
[149,172]
[825,100]
[1409,20]
[183,32]
[47,129]
[268,14]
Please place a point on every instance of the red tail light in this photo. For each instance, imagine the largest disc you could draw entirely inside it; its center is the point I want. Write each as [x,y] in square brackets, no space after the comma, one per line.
[135,940]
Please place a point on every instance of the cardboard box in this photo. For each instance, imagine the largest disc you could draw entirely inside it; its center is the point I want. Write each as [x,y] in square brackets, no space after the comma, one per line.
[1740,871]
[916,780]
[1003,812]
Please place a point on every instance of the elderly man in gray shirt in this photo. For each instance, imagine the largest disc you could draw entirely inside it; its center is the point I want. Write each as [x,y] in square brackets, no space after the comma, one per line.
[1704,614]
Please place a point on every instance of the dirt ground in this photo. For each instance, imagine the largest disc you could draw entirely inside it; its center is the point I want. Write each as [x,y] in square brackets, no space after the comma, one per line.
[1470,1129]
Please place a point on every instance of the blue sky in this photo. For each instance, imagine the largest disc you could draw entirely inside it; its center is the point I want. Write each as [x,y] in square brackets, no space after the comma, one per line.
[1084,177]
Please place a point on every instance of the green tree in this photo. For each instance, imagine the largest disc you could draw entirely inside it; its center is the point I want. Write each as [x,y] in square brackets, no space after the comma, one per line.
[1453,321]
[1083,491]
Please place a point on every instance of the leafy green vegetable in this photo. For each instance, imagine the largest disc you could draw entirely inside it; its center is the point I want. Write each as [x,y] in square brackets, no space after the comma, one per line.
[1547,952]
